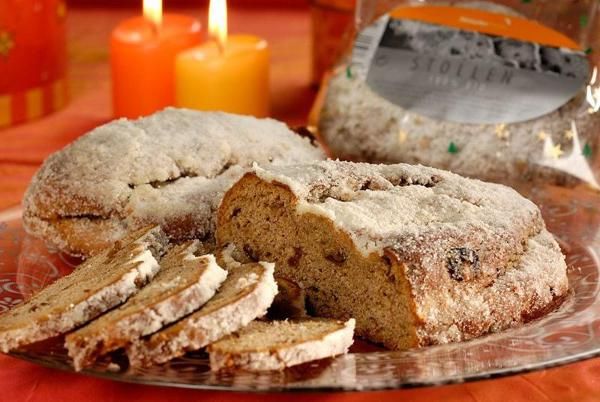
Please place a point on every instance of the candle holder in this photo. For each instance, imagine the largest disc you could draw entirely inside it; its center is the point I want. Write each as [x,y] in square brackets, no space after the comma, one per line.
[33,60]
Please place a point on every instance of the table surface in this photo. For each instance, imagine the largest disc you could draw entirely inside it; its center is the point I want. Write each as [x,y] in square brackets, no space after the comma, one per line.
[23,148]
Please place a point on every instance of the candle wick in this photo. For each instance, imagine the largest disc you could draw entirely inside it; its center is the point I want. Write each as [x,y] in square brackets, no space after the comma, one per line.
[154,28]
[220,45]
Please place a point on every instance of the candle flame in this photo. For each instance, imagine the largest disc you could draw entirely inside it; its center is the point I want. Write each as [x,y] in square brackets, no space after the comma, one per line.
[153,11]
[217,21]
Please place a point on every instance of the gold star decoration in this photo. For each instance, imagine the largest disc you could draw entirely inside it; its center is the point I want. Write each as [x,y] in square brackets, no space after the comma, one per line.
[6,43]
[61,10]
[542,136]
[501,131]
[402,135]
[556,151]
[569,134]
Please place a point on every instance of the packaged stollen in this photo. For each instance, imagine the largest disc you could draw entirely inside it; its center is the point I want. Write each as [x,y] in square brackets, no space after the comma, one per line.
[506,91]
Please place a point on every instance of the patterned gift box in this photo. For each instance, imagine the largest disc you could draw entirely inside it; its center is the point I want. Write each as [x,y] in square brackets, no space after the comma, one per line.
[32,59]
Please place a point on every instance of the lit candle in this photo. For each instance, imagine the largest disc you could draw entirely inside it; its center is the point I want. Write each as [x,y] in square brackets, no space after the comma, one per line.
[143,51]
[228,73]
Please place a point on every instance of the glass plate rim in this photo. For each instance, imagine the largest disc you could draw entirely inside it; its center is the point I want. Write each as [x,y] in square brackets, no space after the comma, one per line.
[13,214]
[399,385]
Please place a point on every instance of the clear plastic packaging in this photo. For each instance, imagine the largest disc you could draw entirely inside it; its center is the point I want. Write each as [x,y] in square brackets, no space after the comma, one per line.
[505,91]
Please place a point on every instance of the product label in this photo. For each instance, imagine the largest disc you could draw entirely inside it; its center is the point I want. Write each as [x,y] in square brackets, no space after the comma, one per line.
[469,66]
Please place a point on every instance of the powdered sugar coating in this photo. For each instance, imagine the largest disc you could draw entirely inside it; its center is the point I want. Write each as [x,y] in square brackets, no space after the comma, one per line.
[384,205]
[527,290]
[170,168]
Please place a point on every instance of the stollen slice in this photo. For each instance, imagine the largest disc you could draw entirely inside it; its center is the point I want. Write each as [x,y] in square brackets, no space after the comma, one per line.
[275,345]
[97,285]
[184,283]
[245,295]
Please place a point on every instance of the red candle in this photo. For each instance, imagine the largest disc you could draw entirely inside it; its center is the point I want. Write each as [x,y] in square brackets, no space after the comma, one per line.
[143,51]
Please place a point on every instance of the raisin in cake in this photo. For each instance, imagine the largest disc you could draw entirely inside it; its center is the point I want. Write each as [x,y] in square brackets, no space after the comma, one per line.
[417,255]
[170,168]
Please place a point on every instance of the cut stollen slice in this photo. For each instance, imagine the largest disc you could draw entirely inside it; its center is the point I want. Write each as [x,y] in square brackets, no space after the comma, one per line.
[275,345]
[245,295]
[97,285]
[184,283]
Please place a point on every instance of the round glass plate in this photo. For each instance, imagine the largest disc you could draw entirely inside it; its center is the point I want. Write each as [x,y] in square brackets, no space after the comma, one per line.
[569,334]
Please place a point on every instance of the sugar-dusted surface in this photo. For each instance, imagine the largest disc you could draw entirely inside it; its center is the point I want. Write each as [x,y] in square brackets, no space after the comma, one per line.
[276,345]
[183,284]
[534,286]
[170,168]
[403,206]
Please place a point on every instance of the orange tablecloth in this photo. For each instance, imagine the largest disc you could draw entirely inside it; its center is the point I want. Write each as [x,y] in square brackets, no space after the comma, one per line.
[23,148]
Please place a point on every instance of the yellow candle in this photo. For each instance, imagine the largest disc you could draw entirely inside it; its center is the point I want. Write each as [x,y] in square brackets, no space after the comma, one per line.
[230,73]
[233,77]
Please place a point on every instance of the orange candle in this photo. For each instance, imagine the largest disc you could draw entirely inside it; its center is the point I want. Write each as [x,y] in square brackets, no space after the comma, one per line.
[230,73]
[143,51]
